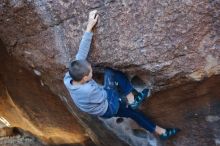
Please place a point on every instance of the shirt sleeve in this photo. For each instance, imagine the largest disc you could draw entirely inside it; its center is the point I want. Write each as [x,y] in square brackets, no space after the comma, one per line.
[67,78]
[84,46]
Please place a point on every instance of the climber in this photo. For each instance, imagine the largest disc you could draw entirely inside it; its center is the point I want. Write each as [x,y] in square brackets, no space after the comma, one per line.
[105,101]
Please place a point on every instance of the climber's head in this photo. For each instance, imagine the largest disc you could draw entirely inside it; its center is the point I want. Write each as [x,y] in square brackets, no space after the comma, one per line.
[80,71]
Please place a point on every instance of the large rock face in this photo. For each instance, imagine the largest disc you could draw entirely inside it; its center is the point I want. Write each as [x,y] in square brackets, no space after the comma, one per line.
[163,42]
[168,41]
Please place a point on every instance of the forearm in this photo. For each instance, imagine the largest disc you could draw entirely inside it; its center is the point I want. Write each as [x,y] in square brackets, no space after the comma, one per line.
[85,43]
[84,46]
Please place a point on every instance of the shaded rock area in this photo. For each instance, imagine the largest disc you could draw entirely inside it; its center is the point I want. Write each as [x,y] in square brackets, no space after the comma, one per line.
[166,44]
[194,108]
[27,103]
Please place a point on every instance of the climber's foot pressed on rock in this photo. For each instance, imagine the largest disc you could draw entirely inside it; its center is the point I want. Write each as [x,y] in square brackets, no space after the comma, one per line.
[139,97]
[170,132]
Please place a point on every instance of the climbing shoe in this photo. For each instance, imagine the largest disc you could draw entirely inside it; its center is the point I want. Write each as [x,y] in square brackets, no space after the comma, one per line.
[135,105]
[139,97]
[142,95]
[169,133]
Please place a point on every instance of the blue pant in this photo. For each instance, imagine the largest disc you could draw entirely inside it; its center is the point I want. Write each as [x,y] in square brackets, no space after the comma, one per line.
[113,82]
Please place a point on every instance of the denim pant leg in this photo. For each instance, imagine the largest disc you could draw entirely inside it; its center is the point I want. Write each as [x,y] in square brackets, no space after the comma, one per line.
[124,84]
[137,116]
[112,94]
[111,77]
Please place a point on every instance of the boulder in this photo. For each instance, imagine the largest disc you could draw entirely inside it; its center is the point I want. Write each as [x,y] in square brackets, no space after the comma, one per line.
[170,42]
[162,43]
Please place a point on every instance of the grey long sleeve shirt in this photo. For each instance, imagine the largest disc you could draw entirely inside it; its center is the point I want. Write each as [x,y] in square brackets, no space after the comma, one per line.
[89,97]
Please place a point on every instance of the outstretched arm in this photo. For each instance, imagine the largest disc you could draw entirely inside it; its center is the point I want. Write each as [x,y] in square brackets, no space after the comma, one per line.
[87,37]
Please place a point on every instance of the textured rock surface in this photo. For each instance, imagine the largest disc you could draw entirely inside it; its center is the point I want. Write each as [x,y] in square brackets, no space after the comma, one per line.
[163,42]
[170,41]
[194,108]
[13,136]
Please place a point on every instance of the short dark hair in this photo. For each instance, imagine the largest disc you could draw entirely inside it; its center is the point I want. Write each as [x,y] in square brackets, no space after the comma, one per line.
[78,69]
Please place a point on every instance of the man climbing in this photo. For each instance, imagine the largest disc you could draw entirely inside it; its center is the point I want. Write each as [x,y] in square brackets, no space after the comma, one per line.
[105,101]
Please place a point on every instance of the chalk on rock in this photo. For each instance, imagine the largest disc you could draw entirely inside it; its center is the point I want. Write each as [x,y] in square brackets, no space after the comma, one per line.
[38,73]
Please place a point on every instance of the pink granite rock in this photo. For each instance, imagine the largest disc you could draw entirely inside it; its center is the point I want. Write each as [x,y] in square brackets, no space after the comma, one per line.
[162,42]
[169,41]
